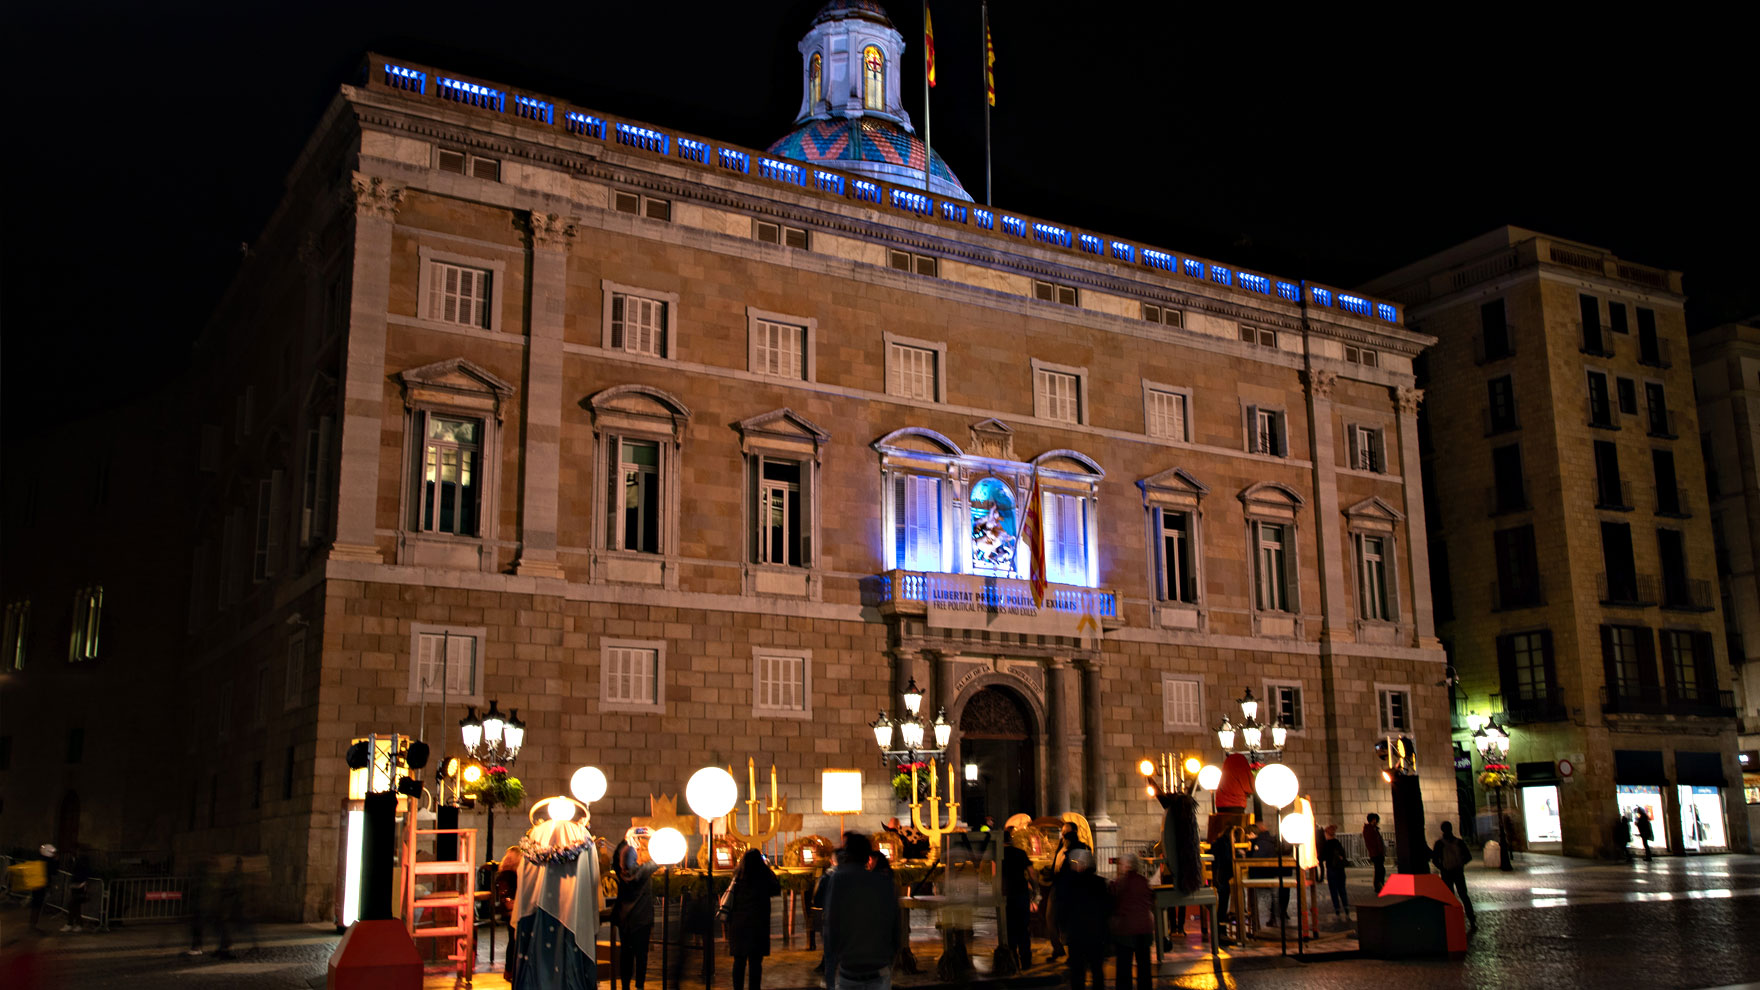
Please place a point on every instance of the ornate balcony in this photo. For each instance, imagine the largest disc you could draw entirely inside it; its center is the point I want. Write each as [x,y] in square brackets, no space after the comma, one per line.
[977,601]
[1550,708]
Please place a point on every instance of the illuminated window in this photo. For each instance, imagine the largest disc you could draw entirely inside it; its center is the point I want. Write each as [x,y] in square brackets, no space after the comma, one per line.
[634,522]
[449,475]
[632,675]
[446,663]
[815,81]
[995,524]
[873,78]
[782,683]
[917,514]
[1067,521]
[780,510]
[1372,586]
[88,611]
[781,480]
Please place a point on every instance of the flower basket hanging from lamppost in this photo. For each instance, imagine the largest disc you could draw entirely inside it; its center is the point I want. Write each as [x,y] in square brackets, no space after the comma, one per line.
[901,782]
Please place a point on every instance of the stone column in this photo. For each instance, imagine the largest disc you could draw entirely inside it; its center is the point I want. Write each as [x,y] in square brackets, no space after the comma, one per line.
[1057,737]
[375,202]
[1417,547]
[541,458]
[1094,770]
[1334,561]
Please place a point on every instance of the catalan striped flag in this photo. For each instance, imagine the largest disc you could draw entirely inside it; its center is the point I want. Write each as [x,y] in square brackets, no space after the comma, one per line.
[929,43]
[989,63]
[1033,535]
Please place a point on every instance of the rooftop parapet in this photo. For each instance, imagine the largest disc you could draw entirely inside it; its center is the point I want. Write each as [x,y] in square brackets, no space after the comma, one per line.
[549,113]
[1506,250]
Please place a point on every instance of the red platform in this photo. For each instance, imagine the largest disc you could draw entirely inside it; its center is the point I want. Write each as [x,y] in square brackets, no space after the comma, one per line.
[1430,885]
[376,955]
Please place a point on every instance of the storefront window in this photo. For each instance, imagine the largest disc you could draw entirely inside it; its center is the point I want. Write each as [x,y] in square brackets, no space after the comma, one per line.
[1645,796]
[1540,810]
[1702,818]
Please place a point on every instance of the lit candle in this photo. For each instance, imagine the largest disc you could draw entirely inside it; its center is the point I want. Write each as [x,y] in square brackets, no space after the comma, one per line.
[934,788]
[913,783]
[772,787]
[751,779]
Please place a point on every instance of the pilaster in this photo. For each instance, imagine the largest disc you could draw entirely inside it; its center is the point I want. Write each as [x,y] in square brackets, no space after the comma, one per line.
[375,201]
[1094,773]
[541,458]
[1334,565]
[1417,545]
[1058,738]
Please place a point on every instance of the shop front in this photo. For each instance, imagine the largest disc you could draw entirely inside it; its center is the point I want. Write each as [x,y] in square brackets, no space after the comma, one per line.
[1639,782]
[1541,818]
[1700,785]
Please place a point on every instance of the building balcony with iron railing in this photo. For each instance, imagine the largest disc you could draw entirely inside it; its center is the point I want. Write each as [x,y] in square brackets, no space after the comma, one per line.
[1507,596]
[1654,351]
[1706,703]
[1486,351]
[1671,501]
[1597,341]
[1636,590]
[1685,594]
[1660,423]
[1615,496]
[1601,414]
[981,599]
[1547,705]
[1652,699]
[1504,422]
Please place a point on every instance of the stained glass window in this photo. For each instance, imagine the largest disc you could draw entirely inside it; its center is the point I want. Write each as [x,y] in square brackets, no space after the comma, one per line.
[815,87]
[873,79]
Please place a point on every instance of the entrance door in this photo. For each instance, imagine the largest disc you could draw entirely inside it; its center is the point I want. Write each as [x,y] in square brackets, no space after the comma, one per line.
[1649,797]
[1702,819]
[996,734]
[1540,811]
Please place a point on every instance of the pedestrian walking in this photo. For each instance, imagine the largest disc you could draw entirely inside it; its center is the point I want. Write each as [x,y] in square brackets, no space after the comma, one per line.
[34,878]
[1645,832]
[861,922]
[79,871]
[1017,898]
[1133,923]
[1375,849]
[748,918]
[1068,841]
[199,900]
[1451,857]
[633,912]
[1083,909]
[1333,861]
[1622,835]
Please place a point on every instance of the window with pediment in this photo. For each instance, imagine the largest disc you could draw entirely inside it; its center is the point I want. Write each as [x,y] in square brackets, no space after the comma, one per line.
[782,452]
[1173,500]
[1273,513]
[1373,526]
[452,436]
[638,440]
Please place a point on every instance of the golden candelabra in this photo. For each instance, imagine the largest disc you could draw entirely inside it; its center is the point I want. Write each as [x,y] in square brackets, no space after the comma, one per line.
[776,817]
[936,827]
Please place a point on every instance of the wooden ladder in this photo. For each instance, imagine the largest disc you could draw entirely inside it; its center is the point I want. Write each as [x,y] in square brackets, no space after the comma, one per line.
[448,910]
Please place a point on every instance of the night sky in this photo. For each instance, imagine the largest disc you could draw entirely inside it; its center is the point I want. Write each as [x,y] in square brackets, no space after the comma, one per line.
[148,144]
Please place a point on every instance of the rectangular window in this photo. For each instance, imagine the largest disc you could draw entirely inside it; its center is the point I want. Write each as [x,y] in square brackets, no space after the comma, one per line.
[1621,575]
[635,503]
[1273,571]
[1509,492]
[1182,703]
[450,482]
[1656,403]
[780,513]
[632,676]
[293,688]
[1500,406]
[642,206]
[1368,451]
[778,349]
[1589,309]
[287,773]
[1284,705]
[88,613]
[18,630]
[1164,315]
[905,261]
[260,699]
[314,510]
[1396,708]
[1518,568]
[1494,331]
[778,233]
[458,295]
[1166,414]
[917,528]
[1628,650]
[1683,666]
[1066,538]
[638,325]
[1600,407]
[1179,578]
[1053,292]
[1059,395]
[460,163]
[1372,553]
[243,411]
[267,554]
[1649,346]
[1616,317]
[1259,337]
[781,687]
[1362,355]
[446,664]
[1530,666]
[1267,432]
[1669,500]
[1609,488]
[1671,555]
[1627,391]
[911,372]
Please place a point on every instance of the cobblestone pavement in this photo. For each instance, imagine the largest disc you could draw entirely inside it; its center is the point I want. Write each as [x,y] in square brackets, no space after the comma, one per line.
[1674,923]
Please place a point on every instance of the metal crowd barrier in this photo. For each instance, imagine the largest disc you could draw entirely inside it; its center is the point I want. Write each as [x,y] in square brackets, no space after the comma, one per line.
[147,899]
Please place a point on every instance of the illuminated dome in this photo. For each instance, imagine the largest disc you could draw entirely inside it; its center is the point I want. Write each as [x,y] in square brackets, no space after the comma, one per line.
[851,117]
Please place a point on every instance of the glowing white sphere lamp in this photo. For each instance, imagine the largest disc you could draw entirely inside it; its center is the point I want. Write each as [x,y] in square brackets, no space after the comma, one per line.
[1276,785]
[711,793]
[1210,776]
[560,809]
[1299,827]
[666,846]
[587,784]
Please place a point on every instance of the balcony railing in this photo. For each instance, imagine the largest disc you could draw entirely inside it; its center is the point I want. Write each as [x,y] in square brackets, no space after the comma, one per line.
[1597,341]
[1660,423]
[1495,424]
[1628,589]
[1633,699]
[1506,597]
[1685,594]
[1458,711]
[1714,704]
[1601,414]
[1498,501]
[1671,500]
[1615,495]
[979,593]
[1653,352]
[1548,708]
[1485,352]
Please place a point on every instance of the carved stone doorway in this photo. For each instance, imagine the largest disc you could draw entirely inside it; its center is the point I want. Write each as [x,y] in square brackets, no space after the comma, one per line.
[997,733]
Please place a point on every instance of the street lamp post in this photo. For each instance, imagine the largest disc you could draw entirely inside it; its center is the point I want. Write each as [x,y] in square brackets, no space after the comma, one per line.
[711,793]
[1251,731]
[1492,741]
[912,729]
[494,740]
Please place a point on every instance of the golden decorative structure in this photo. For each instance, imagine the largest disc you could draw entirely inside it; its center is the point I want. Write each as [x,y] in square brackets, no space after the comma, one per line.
[936,828]
[663,813]
[776,817]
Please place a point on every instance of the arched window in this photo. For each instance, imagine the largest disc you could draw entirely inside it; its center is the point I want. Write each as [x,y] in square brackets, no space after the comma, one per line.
[873,78]
[815,68]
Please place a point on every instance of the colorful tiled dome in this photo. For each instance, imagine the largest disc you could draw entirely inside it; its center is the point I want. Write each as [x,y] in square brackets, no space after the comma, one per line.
[887,150]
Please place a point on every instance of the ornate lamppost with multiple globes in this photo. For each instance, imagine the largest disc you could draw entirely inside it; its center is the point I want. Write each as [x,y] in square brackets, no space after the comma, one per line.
[1251,731]
[1492,742]
[493,742]
[912,729]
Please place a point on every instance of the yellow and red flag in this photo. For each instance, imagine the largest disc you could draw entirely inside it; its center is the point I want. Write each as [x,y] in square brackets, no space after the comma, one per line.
[989,64]
[1033,535]
[929,43]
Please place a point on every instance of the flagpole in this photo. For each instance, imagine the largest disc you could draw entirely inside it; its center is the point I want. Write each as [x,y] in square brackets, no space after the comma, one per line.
[928,150]
[984,9]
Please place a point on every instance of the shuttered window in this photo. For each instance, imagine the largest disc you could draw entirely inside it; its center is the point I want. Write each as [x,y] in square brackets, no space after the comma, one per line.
[777,349]
[912,372]
[448,659]
[1059,395]
[638,325]
[631,675]
[1066,538]
[1182,703]
[917,529]
[1166,414]
[458,295]
[781,683]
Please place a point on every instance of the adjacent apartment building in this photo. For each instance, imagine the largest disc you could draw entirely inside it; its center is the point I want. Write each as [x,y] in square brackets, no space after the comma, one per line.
[1572,540]
[1726,379]
[692,452]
